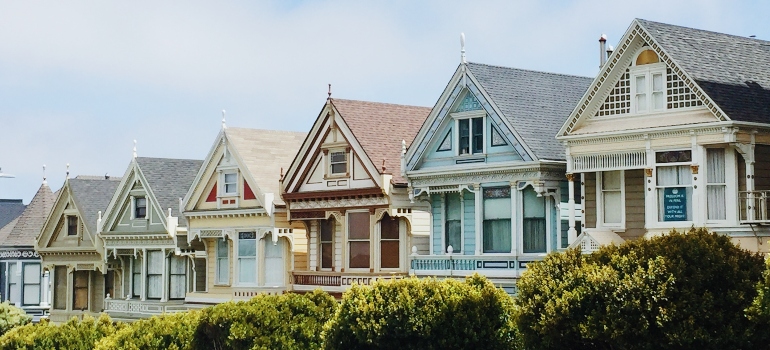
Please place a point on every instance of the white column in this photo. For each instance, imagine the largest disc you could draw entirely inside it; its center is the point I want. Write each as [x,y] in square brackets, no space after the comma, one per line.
[479,217]
[143,292]
[515,230]
[572,232]
[165,277]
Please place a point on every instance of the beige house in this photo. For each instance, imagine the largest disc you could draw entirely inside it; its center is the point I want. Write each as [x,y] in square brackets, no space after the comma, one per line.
[240,241]
[674,132]
[70,250]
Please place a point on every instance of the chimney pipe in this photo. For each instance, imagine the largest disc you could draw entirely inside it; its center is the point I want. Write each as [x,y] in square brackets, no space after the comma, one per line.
[602,50]
[610,49]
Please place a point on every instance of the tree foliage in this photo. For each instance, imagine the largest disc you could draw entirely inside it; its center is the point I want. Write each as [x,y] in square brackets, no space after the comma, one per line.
[12,316]
[424,314]
[75,334]
[680,290]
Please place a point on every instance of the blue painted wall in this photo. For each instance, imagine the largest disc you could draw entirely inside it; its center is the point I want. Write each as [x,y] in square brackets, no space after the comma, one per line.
[436,238]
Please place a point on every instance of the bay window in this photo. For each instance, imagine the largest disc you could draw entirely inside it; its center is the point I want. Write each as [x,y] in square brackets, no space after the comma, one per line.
[327,243]
[247,257]
[389,243]
[359,235]
[674,185]
[223,262]
[534,230]
[716,184]
[453,225]
[497,220]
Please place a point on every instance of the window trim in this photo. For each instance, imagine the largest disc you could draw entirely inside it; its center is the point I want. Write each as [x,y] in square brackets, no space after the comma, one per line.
[320,242]
[470,115]
[444,245]
[77,225]
[648,71]
[657,221]
[512,219]
[600,202]
[237,258]
[223,187]
[171,274]
[520,223]
[348,241]
[136,207]
[401,244]
[23,282]
[87,288]
[218,279]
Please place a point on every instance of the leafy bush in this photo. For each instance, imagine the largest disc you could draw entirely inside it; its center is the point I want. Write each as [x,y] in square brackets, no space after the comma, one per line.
[170,331]
[424,314]
[74,334]
[681,290]
[287,321]
[12,316]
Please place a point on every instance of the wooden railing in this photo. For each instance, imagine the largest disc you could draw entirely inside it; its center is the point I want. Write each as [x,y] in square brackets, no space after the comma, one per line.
[134,306]
[339,279]
[753,206]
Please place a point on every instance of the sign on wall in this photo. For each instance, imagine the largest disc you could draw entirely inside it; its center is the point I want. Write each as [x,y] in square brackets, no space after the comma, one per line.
[675,204]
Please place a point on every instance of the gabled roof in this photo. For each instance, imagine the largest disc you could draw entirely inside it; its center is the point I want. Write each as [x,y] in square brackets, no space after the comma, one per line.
[380,127]
[535,103]
[169,180]
[92,194]
[264,153]
[31,221]
[733,71]
[10,209]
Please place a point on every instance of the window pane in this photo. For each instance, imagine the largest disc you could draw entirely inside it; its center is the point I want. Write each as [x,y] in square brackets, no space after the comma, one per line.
[60,288]
[641,102]
[247,270]
[464,136]
[223,270]
[611,180]
[478,135]
[31,273]
[453,236]
[13,283]
[674,204]
[453,210]
[612,207]
[80,290]
[230,178]
[715,164]
[31,294]
[221,248]
[155,262]
[389,254]
[327,230]
[534,236]
[657,100]
[154,286]
[247,248]
[327,254]
[358,225]
[177,288]
[275,267]
[497,236]
[534,206]
[641,84]
[359,254]
[178,265]
[72,225]
[388,227]
[716,202]
[657,82]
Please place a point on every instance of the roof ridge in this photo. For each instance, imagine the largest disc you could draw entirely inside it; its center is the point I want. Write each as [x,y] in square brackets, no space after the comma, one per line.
[380,103]
[166,158]
[531,70]
[760,41]
[265,130]
[96,177]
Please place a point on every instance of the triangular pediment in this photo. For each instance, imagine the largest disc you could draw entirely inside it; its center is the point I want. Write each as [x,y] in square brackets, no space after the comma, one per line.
[331,159]
[121,214]
[54,233]
[464,114]
[224,181]
[610,103]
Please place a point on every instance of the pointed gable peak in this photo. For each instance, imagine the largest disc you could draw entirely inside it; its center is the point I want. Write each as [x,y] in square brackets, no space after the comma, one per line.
[31,221]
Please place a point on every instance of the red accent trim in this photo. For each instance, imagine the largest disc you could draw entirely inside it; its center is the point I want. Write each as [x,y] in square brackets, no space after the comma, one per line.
[247,193]
[332,194]
[213,194]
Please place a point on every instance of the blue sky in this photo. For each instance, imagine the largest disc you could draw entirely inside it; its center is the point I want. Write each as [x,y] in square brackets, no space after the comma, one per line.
[80,80]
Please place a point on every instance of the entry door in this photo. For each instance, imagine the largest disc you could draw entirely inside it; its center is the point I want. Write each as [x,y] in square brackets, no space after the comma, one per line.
[275,265]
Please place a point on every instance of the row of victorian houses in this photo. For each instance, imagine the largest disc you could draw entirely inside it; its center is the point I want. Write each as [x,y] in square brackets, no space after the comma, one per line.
[508,166]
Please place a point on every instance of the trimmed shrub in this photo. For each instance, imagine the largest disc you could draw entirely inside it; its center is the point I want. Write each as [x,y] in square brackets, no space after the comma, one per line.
[424,314]
[74,334]
[12,316]
[680,290]
[287,321]
[170,331]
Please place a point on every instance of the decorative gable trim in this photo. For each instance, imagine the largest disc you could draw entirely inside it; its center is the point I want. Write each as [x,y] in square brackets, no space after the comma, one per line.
[123,194]
[479,100]
[621,56]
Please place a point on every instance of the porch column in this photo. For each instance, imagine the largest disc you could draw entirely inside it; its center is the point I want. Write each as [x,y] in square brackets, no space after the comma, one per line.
[143,292]
[572,232]
[479,217]
[130,281]
[752,202]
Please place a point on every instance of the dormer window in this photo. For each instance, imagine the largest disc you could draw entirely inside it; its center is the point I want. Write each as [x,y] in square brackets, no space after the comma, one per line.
[471,134]
[230,183]
[140,208]
[72,226]
[648,76]
[338,162]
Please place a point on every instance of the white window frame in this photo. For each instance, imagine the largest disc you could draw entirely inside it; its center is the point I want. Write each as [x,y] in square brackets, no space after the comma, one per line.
[220,280]
[728,166]
[648,71]
[656,221]
[401,244]
[444,220]
[224,182]
[600,202]
[348,241]
[257,256]
[135,206]
[171,274]
[480,218]
[333,243]
[519,235]
[484,133]
[24,283]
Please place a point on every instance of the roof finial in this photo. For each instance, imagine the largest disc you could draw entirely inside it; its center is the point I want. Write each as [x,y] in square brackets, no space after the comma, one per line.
[282,174]
[330,91]
[134,148]
[44,180]
[224,126]
[68,169]
[383,166]
[462,48]
[403,146]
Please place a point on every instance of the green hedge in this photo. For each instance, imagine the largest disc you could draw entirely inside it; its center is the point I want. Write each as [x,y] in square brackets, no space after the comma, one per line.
[74,334]
[424,314]
[11,317]
[169,331]
[680,290]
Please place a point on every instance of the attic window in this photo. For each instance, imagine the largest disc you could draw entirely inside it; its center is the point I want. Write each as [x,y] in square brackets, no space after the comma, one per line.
[72,226]
[140,208]
[231,183]
[647,57]
[338,163]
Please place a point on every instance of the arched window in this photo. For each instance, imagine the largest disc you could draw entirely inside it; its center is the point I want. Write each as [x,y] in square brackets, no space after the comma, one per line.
[647,57]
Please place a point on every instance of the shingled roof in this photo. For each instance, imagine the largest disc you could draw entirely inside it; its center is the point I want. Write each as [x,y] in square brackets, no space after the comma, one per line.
[31,221]
[733,71]
[169,179]
[10,209]
[264,153]
[92,194]
[380,127]
[535,103]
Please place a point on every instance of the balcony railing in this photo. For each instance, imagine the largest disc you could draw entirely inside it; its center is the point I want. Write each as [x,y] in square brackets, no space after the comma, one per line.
[305,279]
[143,308]
[495,266]
[753,206]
